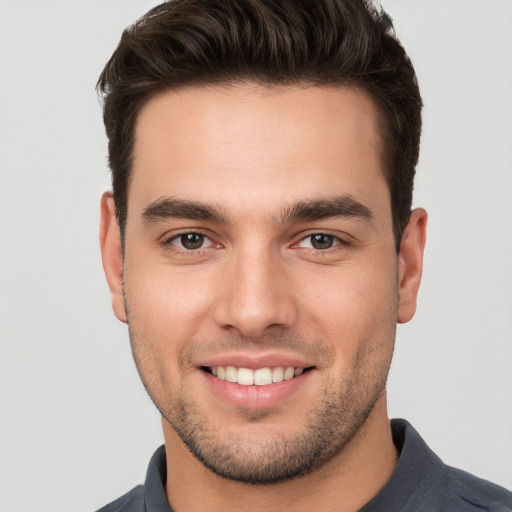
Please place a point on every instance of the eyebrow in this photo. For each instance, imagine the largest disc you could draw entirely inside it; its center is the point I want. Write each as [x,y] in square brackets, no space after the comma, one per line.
[168,208]
[340,206]
[307,210]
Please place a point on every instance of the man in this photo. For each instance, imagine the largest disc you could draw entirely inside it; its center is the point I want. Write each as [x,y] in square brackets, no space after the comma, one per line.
[259,244]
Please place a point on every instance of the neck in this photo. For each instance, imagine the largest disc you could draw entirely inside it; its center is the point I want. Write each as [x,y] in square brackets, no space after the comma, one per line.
[345,484]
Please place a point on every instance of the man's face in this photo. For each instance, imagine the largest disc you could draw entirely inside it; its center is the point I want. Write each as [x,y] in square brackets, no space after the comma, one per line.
[259,245]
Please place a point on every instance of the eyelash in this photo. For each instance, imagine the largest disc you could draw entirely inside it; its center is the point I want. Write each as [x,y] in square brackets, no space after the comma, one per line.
[167,243]
[338,243]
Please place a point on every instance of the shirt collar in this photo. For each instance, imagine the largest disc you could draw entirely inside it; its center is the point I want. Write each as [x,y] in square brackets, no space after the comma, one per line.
[415,462]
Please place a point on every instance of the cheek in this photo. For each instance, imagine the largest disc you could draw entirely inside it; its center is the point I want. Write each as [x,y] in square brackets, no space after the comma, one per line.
[165,306]
[353,308]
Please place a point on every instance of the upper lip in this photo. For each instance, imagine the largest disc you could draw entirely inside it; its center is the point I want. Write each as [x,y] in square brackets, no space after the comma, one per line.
[255,361]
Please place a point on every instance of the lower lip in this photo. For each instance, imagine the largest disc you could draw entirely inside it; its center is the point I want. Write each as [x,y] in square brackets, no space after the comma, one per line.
[255,397]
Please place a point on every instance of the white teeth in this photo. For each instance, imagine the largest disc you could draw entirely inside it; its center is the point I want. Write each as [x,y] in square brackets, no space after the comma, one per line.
[245,377]
[277,374]
[289,373]
[231,374]
[263,377]
[259,377]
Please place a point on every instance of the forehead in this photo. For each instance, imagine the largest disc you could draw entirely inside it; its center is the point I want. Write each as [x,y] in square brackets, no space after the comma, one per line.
[239,145]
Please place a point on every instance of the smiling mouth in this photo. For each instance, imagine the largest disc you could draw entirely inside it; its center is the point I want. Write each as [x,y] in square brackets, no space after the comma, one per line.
[259,377]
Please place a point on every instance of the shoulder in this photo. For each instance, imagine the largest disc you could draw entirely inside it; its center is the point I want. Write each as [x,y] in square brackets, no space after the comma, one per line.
[151,495]
[481,494]
[132,501]
[422,481]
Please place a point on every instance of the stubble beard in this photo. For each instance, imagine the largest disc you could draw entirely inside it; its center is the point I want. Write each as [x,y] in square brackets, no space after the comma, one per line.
[278,459]
[331,424]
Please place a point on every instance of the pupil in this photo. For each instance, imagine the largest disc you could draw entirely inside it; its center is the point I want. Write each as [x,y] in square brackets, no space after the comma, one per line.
[192,240]
[322,241]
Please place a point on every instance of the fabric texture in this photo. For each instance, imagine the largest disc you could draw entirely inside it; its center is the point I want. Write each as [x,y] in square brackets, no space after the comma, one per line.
[421,482]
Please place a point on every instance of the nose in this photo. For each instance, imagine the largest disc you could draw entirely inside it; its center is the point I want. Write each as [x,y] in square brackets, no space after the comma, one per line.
[255,296]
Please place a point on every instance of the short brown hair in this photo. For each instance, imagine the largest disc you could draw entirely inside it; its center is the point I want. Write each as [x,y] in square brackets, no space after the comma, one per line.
[270,42]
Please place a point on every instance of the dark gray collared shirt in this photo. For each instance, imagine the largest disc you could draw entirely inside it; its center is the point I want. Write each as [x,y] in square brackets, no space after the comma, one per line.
[421,482]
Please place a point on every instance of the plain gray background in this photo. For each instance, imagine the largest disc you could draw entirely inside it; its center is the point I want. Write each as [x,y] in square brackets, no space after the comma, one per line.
[76,428]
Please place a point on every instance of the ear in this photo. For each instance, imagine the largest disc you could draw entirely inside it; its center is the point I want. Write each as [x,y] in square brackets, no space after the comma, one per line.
[410,264]
[111,254]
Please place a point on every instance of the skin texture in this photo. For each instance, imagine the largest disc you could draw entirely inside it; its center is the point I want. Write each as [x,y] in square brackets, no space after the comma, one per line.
[259,288]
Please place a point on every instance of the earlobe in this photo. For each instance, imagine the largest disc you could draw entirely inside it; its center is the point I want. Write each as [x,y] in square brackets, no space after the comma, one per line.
[410,264]
[111,254]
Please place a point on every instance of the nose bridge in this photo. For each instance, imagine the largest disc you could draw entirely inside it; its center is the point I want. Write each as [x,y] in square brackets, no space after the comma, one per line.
[253,297]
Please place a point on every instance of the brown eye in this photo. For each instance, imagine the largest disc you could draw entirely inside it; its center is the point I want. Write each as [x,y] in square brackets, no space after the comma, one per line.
[191,241]
[322,241]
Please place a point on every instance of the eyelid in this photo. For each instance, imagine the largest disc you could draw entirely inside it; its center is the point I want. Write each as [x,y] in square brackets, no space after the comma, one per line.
[336,243]
[167,240]
[339,239]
